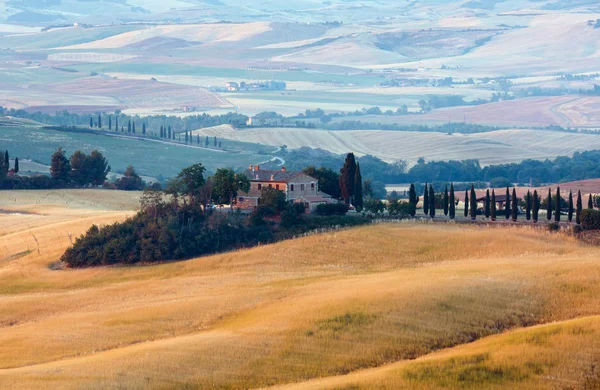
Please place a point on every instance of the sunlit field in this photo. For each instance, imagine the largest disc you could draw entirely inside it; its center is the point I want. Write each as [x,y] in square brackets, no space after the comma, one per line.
[383,306]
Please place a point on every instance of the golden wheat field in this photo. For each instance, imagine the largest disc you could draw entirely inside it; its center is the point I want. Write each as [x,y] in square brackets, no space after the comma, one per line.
[384,306]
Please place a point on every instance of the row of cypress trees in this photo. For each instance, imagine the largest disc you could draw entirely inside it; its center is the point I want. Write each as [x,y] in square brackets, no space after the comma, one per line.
[511,210]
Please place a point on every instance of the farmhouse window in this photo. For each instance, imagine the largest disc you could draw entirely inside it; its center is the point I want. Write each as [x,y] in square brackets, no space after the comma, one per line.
[301,187]
[277,186]
[291,187]
[312,186]
[259,186]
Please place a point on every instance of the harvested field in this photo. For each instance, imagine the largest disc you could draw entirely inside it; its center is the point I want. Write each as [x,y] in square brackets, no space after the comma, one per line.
[495,147]
[326,305]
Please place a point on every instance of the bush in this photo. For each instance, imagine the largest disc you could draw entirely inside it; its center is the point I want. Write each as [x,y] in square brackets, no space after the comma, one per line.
[590,219]
[553,227]
[401,209]
[331,209]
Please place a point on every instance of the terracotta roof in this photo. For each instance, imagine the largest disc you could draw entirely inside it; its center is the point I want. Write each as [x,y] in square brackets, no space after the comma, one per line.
[272,175]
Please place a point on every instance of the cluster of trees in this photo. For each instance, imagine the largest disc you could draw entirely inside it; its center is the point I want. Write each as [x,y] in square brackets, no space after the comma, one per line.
[80,170]
[178,227]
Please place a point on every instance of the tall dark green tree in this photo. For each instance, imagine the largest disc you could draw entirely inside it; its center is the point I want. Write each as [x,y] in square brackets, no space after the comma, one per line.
[466,210]
[143,128]
[186,137]
[60,167]
[206,142]
[169,132]
[358,186]
[557,205]
[116,123]
[536,206]
[412,196]
[347,176]
[549,206]
[109,122]
[445,200]
[579,208]
[493,206]
[571,208]
[129,126]
[99,121]
[473,202]
[515,206]
[426,200]
[431,201]
[91,122]
[487,205]
[96,168]
[6,161]
[198,139]
[16,168]
[452,202]
[528,205]
[78,168]
[133,127]
[590,203]
[215,141]
[507,205]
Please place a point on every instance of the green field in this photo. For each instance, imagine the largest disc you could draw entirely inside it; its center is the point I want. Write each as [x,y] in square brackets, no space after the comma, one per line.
[148,157]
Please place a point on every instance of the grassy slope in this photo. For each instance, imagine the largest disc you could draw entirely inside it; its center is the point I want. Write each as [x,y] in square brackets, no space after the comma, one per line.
[314,307]
[148,157]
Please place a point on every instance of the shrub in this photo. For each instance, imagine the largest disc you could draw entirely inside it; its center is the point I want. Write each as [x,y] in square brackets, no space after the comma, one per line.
[590,219]
[331,209]
[401,209]
[553,226]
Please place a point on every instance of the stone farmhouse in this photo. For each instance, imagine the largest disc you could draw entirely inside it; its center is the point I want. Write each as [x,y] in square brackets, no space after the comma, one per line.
[297,186]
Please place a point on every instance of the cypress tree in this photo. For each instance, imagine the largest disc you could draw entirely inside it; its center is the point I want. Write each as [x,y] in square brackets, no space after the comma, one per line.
[412,195]
[358,185]
[143,128]
[109,122]
[473,203]
[431,201]
[169,132]
[206,142]
[215,141]
[557,205]
[186,137]
[198,139]
[426,200]
[487,204]
[91,122]
[219,144]
[515,206]
[446,201]
[466,211]
[536,206]
[116,123]
[579,208]
[346,179]
[549,206]
[122,129]
[99,121]
[493,206]
[571,209]
[507,204]
[129,126]
[16,165]
[133,127]
[6,160]
[528,204]
[590,203]
[452,202]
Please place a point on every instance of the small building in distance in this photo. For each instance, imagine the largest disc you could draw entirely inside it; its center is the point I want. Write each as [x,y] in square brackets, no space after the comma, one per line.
[297,186]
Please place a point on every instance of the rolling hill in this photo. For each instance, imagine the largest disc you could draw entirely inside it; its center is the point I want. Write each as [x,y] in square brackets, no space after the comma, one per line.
[315,307]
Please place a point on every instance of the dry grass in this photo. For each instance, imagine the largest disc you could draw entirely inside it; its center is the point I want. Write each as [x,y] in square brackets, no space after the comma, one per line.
[314,307]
